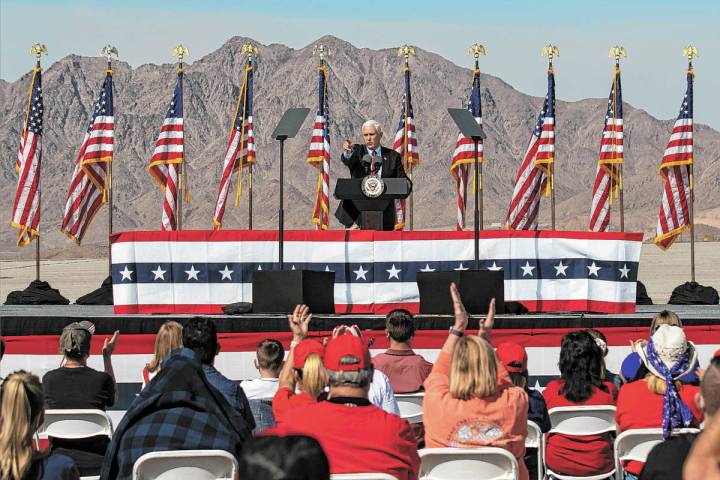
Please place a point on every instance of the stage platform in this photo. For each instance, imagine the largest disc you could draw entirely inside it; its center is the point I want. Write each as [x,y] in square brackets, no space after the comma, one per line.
[23,320]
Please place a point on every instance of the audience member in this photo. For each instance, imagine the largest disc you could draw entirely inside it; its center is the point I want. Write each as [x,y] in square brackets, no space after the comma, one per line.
[470,400]
[381,393]
[295,457]
[703,463]
[666,317]
[580,383]
[2,352]
[356,435]
[181,409]
[21,414]
[601,341]
[514,357]
[630,368]
[659,400]
[268,362]
[303,367]
[200,336]
[75,385]
[405,369]
[665,461]
[168,338]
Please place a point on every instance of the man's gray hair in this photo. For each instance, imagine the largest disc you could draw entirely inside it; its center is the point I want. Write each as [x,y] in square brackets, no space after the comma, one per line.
[374,124]
[357,379]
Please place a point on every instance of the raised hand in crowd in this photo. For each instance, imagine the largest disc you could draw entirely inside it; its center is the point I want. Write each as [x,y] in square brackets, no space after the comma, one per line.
[107,351]
[461,315]
[299,322]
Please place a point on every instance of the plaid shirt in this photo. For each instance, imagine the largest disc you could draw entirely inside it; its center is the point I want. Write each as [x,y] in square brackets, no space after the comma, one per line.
[178,410]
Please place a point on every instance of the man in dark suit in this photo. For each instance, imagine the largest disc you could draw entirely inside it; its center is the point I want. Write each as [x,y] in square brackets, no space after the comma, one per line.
[369,159]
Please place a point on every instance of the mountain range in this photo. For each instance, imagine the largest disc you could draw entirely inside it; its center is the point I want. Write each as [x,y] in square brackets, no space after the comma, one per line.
[363,84]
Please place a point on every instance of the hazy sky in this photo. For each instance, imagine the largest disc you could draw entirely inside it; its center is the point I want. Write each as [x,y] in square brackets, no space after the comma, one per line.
[513,32]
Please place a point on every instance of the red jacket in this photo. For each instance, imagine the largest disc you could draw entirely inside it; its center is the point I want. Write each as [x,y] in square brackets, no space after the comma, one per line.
[357,437]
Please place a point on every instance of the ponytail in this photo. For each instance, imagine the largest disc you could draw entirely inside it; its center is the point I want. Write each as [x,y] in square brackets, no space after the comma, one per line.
[21,399]
[313,378]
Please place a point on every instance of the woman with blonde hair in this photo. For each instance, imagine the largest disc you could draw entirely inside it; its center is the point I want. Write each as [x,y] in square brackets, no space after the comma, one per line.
[303,367]
[21,410]
[666,317]
[470,400]
[168,338]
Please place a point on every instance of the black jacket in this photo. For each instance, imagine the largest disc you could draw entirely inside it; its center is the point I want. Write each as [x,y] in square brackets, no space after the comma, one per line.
[391,163]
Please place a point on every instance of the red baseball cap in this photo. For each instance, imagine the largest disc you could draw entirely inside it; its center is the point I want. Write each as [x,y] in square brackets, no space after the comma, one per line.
[303,350]
[347,344]
[717,353]
[512,353]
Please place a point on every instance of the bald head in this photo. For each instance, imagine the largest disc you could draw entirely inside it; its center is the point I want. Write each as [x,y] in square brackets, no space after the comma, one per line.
[710,389]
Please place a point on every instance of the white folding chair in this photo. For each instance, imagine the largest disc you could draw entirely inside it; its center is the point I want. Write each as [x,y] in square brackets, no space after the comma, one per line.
[483,463]
[580,420]
[410,405]
[195,464]
[534,439]
[74,424]
[362,476]
[636,444]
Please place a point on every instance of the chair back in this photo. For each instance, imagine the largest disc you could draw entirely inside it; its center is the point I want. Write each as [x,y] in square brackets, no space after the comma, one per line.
[534,440]
[636,444]
[195,464]
[484,463]
[75,424]
[410,405]
[362,476]
[582,419]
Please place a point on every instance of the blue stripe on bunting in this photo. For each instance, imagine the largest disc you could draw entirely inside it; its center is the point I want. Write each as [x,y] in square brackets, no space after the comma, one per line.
[516,269]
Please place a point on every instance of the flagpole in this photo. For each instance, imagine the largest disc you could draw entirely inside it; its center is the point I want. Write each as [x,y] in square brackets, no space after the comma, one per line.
[108,51]
[617,52]
[38,50]
[181,52]
[250,50]
[690,52]
[406,51]
[551,51]
[476,50]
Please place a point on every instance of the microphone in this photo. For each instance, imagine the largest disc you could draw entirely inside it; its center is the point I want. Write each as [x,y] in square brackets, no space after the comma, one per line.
[367,162]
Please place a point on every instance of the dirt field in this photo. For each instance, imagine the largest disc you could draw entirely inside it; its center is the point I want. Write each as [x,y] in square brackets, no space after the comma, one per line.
[659,271]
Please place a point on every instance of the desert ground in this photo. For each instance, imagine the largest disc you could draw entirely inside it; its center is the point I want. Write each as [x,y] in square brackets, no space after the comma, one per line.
[659,271]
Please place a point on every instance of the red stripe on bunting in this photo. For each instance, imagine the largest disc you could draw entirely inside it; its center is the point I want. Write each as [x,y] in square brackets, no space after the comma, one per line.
[424,339]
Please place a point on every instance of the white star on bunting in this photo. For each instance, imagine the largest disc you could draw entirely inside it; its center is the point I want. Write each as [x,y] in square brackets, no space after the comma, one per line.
[527,269]
[192,273]
[624,271]
[560,269]
[126,274]
[461,268]
[226,273]
[494,267]
[427,268]
[159,273]
[393,272]
[593,269]
[360,272]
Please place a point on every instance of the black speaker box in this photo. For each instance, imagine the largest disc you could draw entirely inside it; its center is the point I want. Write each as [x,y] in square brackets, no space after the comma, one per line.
[476,289]
[278,291]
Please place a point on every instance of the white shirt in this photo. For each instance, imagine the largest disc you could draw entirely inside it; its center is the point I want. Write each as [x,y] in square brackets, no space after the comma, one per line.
[260,387]
[381,393]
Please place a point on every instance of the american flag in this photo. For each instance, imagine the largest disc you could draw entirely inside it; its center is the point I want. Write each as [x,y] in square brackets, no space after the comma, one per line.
[168,155]
[464,154]
[240,152]
[608,181]
[319,154]
[405,144]
[675,168]
[532,178]
[26,208]
[90,180]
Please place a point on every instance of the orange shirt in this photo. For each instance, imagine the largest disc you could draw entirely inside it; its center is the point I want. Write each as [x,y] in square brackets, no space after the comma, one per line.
[496,421]
[285,399]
